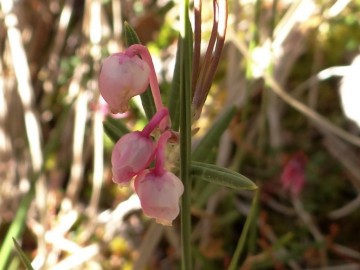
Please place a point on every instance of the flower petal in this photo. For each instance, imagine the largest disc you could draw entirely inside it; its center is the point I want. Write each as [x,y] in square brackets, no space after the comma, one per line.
[159,195]
[131,154]
[121,78]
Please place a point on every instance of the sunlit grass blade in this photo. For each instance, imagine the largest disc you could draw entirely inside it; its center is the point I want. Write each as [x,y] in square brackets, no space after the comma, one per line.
[221,176]
[22,256]
[146,98]
[212,137]
[17,226]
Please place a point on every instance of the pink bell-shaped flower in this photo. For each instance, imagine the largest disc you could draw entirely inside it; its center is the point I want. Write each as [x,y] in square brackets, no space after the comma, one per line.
[121,78]
[158,189]
[293,175]
[159,195]
[131,154]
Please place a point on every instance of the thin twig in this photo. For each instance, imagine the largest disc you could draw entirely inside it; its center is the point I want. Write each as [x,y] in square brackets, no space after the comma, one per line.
[58,45]
[209,51]
[78,147]
[211,59]
[197,44]
[314,230]
[95,23]
[148,245]
[220,39]
[117,19]
[315,117]
[78,258]
[5,146]
[346,156]
[346,209]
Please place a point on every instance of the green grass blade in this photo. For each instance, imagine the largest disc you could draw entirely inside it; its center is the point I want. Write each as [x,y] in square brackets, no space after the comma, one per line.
[212,137]
[174,95]
[130,35]
[146,98]
[221,176]
[17,227]
[22,256]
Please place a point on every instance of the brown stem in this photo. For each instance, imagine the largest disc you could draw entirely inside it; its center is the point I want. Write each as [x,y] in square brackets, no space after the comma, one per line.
[211,61]
[197,43]
[207,59]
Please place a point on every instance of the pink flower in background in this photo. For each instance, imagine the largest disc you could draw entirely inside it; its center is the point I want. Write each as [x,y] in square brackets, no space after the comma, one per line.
[131,154]
[293,175]
[159,195]
[121,78]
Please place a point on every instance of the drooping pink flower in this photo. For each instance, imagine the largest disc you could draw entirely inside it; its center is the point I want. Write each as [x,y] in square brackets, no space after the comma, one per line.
[158,189]
[121,78]
[135,151]
[131,154]
[159,195]
[293,175]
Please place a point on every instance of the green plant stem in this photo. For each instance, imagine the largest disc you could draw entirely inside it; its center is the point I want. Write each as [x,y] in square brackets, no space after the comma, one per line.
[17,226]
[185,133]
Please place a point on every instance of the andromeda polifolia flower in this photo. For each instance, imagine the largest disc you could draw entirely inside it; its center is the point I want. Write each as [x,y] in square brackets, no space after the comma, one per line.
[159,195]
[293,175]
[121,78]
[131,154]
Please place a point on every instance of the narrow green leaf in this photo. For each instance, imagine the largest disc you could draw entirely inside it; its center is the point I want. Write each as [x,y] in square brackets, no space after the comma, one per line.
[114,129]
[146,98]
[212,137]
[221,176]
[174,95]
[22,255]
[130,35]
[185,132]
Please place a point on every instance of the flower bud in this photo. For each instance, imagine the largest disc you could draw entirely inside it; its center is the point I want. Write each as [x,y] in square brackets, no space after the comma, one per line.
[293,175]
[121,78]
[131,154]
[159,195]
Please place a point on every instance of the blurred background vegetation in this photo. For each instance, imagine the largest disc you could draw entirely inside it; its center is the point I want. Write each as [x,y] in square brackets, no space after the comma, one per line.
[282,67]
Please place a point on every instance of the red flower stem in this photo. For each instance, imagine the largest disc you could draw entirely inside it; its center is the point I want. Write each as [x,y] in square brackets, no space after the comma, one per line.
[141,50]
[155,121]
[159,168]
